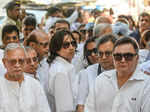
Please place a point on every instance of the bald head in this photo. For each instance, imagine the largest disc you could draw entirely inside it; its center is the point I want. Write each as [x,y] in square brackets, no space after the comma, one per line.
[39,40]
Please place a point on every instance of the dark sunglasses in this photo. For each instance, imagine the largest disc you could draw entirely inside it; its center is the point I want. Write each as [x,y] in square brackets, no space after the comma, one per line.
[67,44]
[89,52]
[13,62]
[9,38]
[107,53]
[29,60]
[127,56]
[83,31]
[43,44]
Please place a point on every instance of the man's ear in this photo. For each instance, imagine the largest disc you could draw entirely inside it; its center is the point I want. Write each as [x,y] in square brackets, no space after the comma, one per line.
[4,62]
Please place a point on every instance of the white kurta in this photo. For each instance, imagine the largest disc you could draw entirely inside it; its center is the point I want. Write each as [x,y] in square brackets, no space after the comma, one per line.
[86,80]
[42,72]
[61,91]
[27,97]
[133,96]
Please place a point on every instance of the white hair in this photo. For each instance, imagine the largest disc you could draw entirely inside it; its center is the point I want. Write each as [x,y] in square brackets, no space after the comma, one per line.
[12,46]
[100,28]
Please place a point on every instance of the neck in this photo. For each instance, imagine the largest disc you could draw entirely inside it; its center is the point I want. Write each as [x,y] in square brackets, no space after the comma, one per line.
[122,78]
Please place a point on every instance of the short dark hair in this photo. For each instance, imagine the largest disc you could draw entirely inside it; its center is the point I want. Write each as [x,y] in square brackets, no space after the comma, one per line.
[143,14]
[62,21]
[127,40]
[52,10]
[9,29]
[56,44]
[78,34]
[106,38]
[29,21]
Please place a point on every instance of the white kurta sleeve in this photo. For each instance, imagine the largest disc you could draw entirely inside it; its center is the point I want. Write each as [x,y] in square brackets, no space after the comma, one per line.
[145,107]
[63,93]
[83,87]
[90,105]
[42,103]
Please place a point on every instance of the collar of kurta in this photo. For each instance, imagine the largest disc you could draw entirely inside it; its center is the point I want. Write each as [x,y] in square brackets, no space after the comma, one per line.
[137,75]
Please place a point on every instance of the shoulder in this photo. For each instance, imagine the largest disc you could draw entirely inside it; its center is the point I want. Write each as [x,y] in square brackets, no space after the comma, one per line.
[31,81]
[106,75]
[91,67]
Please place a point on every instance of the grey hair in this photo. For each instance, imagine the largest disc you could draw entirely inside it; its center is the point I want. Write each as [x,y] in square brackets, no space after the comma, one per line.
[99,29]
[12,46]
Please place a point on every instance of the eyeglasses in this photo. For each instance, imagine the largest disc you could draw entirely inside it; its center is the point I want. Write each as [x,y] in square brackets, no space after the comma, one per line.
[67,44]
[83,31]
[29,60]
[127,56]
[89,52]
[13,62]
[43,44]
[107,53]
[14,38]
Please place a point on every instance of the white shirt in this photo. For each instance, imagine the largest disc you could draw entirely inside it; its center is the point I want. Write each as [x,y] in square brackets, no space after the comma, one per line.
[86,80]
[78,60]
[145,67]
[143,55]
[61,86]
[27,97]
[133,96]
[42,72]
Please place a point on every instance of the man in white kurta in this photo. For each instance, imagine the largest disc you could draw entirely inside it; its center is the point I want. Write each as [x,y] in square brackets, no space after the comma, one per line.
[125,89]
[18,92]
[29,97]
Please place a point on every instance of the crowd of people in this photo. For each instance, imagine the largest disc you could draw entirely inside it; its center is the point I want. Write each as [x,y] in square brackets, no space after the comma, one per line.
[82,61]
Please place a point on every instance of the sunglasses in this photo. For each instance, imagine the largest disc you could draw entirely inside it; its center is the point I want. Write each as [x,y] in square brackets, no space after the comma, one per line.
[89,52]
[14,38]
[30,60]
[67,44]
[43,44]
[107,53]
[127,56]
[13,62]
[83,31]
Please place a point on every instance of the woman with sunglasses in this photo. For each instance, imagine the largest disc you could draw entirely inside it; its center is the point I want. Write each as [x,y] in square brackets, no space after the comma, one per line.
[61,78]
[90,52]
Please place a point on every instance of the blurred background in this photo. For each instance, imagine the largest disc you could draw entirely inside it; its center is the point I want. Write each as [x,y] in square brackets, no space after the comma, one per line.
[118,7]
